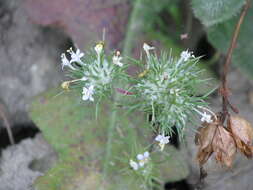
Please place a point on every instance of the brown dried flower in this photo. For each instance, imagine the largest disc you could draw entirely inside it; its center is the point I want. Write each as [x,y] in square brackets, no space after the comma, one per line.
[223,141]
[242,132]
[204,139]
[224,146]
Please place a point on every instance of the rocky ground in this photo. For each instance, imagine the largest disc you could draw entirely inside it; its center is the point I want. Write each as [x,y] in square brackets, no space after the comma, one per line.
[29,64]
[21,164]
[29,56]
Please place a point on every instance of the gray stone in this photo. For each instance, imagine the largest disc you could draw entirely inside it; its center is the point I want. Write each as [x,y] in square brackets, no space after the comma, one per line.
[30,59]
[21,164]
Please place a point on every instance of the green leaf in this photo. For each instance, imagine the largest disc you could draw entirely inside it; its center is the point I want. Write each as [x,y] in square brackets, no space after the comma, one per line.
[82,146]
[211,12]
[220,36]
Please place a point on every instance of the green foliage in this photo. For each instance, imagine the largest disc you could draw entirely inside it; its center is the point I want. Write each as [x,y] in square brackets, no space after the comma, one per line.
[98,71]
[167,90]
[82,146]
[221,17]
[221,34]
[95,153]
[216,11]
[146,21]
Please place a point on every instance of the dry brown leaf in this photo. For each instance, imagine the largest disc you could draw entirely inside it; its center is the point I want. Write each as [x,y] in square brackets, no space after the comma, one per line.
[224,146]
[242,132]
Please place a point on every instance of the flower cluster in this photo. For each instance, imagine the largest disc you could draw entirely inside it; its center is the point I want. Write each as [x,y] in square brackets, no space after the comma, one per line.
[93,71]
[142,160]
[166,89]
[163,140]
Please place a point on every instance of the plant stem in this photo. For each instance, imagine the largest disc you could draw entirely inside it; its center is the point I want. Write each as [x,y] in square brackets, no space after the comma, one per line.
[109,137]
[113,119]
[224,91]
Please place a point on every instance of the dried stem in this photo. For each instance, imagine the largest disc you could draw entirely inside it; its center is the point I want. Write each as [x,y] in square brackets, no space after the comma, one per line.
[224,91]
[6,124]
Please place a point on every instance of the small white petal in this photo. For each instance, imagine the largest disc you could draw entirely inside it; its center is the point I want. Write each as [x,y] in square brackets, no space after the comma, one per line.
[116,60]
[158,138]
[66,62]
[91,88]
[206,118]
[85,97]
[141,164]
[146,154]
[147,47]
[76,56]
[185,55]
[140,157]
[166,140]
[163,140]
[87,93]
[134,164]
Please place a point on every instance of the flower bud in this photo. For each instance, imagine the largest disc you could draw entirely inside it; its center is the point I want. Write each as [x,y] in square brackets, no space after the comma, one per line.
[65,85]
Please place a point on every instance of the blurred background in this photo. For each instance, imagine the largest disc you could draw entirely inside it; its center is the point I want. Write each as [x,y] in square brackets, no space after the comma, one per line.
[33,34]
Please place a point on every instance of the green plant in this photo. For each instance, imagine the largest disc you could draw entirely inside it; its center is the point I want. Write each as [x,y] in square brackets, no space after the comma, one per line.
[164,90]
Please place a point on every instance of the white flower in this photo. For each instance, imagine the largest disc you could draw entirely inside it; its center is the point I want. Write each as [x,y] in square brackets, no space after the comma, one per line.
[98,48]
[206,118]
[76,56]
[147,48]
[143,158]
[116,59]
[66,62]
[163,140]
[134,165]
[87,93]
[185,55]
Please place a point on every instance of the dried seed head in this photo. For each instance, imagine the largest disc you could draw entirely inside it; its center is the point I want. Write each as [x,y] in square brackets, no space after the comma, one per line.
[224,146]
[215,138]
[242,132]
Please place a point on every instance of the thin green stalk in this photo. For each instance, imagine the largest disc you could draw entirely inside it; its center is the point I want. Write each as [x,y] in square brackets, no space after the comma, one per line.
[110,136]
[126,51]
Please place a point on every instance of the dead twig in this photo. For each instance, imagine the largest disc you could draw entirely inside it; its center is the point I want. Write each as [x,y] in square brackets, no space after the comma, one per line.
[224,90]
[6,124]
